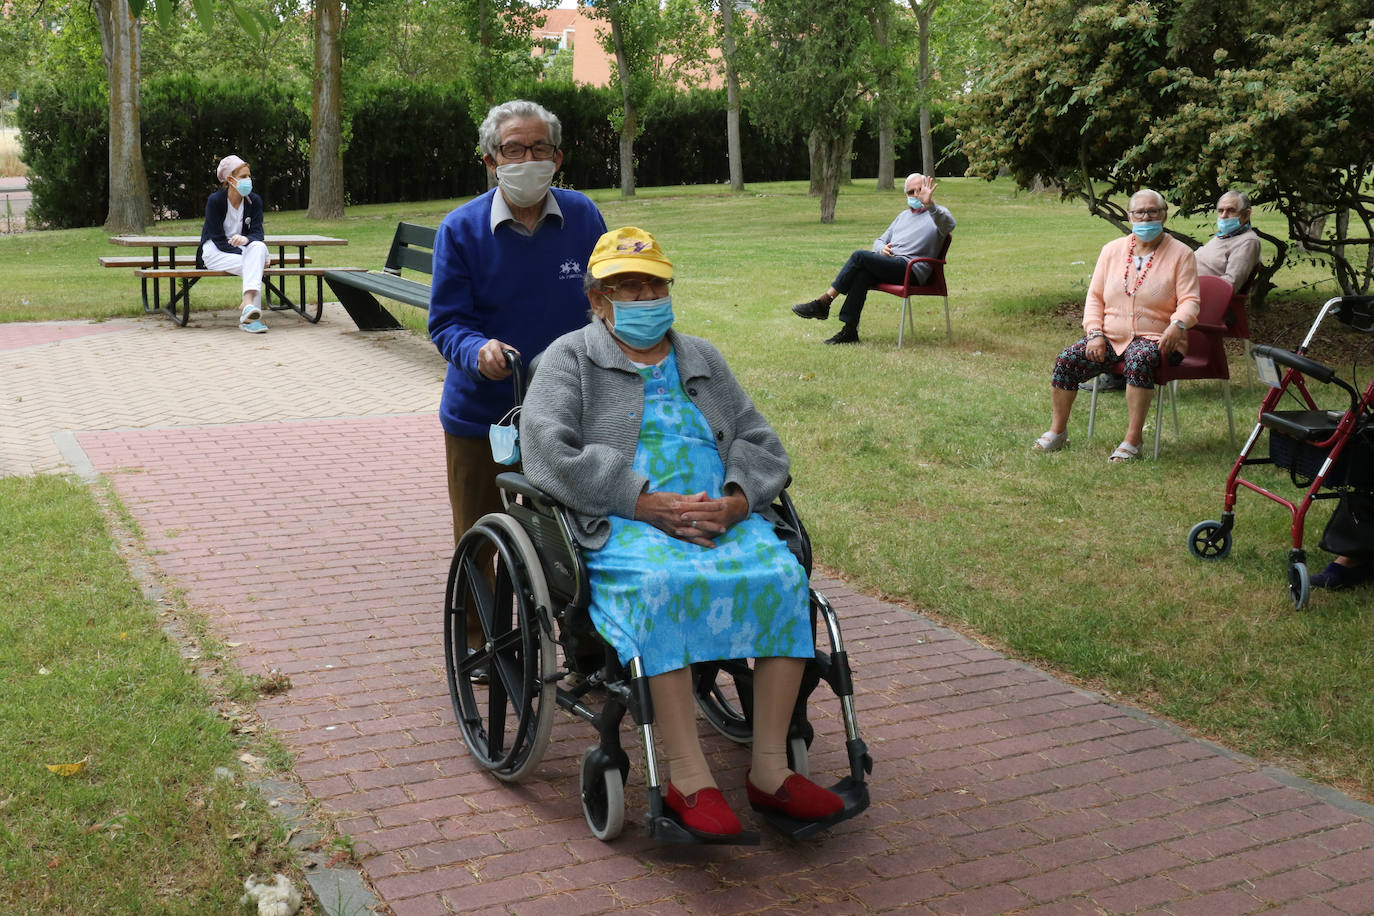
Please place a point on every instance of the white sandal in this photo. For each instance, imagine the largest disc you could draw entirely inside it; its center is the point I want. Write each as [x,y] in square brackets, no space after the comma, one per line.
[1125,452]
[1050,441]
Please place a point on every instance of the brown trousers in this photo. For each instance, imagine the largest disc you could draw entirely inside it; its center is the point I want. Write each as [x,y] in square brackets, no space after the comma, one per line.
[472,493]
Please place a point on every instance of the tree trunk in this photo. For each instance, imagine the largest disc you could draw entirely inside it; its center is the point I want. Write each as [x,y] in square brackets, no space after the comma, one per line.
[813,155]
[630,123]
[130,209]
[923,13]
[732,105]
[886,158]
[887,162]
[326,119]
[831,149]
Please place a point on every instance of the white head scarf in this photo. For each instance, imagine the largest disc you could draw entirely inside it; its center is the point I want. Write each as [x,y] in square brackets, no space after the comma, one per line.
[227,166]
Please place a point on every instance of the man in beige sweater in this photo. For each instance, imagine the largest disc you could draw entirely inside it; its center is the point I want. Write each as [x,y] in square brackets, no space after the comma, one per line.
[1235,250]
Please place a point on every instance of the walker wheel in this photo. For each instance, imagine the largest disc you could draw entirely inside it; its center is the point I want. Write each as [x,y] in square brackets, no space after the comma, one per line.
[603,796]
[1209,540]
[1299,585]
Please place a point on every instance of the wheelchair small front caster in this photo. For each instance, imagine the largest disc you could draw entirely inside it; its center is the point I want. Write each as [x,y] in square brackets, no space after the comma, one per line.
[603,795]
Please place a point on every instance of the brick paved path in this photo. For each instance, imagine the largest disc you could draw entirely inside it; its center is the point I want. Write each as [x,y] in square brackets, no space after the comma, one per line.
[291,486]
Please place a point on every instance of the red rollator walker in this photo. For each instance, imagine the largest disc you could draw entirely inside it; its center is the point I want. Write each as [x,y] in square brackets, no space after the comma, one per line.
[1326,452]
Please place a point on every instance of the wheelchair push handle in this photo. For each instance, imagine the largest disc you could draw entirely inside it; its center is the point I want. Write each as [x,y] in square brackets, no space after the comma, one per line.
[517,369]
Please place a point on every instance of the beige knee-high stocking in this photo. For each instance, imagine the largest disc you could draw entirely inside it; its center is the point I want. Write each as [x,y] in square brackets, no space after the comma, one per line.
[776,682]
[675,722]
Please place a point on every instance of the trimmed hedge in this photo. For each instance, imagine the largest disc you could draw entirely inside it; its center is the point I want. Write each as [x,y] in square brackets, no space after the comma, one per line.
[406,142]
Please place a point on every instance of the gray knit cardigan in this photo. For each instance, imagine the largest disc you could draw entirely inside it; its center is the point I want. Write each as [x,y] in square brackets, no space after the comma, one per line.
[579,429]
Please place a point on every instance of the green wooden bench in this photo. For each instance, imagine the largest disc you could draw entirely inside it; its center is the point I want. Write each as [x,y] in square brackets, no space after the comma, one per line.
[412,248]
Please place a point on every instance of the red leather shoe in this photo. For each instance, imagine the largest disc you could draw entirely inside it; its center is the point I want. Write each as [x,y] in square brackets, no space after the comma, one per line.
[797,797]
[704,811]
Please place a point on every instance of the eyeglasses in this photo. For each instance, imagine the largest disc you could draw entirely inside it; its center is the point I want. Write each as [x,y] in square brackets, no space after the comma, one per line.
[540,150]
[1152,213]
[1229,210]
[625,290]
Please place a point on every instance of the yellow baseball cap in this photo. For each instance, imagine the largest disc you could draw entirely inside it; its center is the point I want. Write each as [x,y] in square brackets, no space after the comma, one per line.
[629,250]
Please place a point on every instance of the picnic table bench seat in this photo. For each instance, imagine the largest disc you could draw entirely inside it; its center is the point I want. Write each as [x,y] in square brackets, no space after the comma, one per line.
[137,261]
[412,248]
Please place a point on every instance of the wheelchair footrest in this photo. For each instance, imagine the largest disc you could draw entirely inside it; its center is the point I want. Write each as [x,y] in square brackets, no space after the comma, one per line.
[852,791]
[667,829]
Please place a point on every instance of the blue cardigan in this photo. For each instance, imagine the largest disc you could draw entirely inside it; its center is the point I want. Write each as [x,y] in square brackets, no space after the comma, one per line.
[215,210]
[523,290]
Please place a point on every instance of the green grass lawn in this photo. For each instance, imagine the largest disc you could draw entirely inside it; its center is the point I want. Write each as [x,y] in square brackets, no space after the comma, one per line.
[91,683]
[913,469]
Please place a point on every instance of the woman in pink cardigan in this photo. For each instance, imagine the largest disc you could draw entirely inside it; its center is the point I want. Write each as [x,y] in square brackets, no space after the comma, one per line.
[1141,302]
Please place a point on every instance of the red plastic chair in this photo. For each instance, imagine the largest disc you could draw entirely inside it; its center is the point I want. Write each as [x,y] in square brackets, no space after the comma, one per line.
[1206,359]
[935,286]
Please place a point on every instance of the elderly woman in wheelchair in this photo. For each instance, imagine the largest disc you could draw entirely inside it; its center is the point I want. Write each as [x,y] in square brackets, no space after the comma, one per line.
[667,476]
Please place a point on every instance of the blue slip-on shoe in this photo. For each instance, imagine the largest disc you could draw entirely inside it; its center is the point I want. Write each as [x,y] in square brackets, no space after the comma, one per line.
[253,327]
[1338,576]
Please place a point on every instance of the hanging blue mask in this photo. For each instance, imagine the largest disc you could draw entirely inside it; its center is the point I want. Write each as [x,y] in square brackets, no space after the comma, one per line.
[1148,231]
[642,323]
[1227,225]
[245,186]
[915,204]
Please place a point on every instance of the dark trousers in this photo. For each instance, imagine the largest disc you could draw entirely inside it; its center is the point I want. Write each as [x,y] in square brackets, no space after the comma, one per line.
[863,271]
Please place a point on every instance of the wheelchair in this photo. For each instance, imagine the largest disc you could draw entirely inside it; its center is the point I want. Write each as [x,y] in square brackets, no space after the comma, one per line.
[521,575]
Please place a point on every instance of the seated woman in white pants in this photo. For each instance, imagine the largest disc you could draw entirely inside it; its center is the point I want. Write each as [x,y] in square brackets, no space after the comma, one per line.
[232,239]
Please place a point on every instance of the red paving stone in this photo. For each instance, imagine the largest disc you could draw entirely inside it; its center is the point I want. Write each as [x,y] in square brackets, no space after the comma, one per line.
[16,335]
[320,547]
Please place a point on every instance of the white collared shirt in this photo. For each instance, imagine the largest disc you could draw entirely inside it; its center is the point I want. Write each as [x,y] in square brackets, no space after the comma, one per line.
[501,213]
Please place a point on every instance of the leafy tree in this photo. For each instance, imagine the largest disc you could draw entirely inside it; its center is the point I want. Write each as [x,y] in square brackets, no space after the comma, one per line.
[633,42]
[1190,97]
[415,40]
[808,64]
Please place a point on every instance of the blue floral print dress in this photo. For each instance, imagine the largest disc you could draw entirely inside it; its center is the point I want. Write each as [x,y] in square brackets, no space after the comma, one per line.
[673,603]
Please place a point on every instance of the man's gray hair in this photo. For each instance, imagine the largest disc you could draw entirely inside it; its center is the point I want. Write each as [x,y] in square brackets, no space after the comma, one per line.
[489,134]
[1159,198]
[1242,199]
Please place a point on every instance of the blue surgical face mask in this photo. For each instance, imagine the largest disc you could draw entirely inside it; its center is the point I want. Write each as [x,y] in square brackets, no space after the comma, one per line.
[643,322]
[1148,232]
[915,203]
[245,186]
[1227,225]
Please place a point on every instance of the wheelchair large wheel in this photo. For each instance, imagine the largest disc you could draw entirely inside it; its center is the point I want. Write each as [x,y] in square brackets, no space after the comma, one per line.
[725,695]
[505,721]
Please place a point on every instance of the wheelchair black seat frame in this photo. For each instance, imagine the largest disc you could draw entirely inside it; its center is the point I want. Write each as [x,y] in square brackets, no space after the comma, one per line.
[520,573]
[1321,449]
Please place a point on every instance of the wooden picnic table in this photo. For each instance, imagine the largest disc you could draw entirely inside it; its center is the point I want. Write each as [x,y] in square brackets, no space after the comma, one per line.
[181,273]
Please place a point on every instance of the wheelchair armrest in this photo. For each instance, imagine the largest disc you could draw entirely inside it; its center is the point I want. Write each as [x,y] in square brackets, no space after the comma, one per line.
[519,484]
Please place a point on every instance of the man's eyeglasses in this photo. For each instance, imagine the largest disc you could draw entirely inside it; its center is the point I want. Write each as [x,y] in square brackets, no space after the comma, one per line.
[1152,213]
[540,150]
[626,290]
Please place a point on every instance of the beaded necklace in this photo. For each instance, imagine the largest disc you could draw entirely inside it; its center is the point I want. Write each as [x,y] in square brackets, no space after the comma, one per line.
[1126,274]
